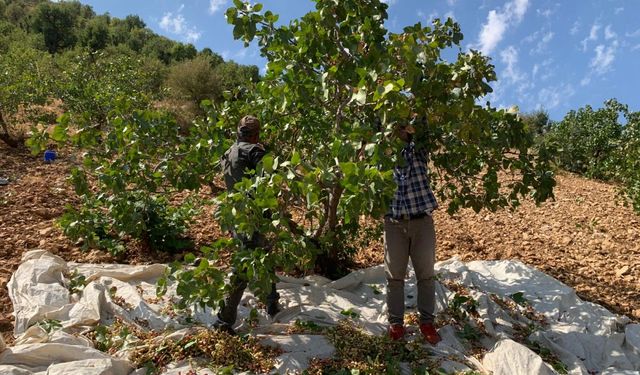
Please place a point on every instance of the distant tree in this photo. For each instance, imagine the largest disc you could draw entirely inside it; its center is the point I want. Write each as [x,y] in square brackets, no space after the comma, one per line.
[138,38]
[233,76]
[56,23]
[628,159]
[95,35]
[182,52]
[16,14]
[194,80]
[24,77]
[537,122]
[159,47]
[587,138]
[134,22]
[215,58]
[94,82]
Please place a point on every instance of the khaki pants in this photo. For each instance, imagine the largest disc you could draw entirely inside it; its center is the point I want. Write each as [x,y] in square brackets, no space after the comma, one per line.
[415,239]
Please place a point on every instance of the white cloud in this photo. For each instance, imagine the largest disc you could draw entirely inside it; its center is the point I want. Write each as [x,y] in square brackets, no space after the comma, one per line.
[547,70]
[552,96]
[593,33]
[509,56]
[575,28]
[176,24]
[633,34]
[172,24]
[192,36]
[636,47]
[542,40]
[498,21]
[604,58]
[451,2]
[239,55]
[546,13]
[593,36]
[618,10]
[585,81]
[608,33]
[390,2]
[216,5]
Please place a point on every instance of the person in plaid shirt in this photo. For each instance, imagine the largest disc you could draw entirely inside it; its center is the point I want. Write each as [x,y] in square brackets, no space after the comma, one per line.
[409,233]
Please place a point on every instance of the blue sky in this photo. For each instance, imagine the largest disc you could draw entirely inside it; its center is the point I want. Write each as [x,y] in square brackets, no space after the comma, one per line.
[550,54]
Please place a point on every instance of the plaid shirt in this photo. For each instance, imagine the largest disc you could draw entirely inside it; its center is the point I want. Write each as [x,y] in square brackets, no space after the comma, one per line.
[413,195]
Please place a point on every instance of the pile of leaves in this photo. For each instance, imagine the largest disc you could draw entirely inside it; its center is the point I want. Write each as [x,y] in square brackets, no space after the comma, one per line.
[362,353]
[209,348]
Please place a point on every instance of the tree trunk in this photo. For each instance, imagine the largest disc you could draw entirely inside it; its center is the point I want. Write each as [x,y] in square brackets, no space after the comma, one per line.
[5,136]
[329,262]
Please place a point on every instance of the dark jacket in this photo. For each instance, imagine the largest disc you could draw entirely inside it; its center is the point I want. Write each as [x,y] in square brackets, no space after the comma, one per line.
[239,160]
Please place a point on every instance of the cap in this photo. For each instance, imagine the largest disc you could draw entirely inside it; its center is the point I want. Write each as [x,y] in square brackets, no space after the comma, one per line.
[248,126]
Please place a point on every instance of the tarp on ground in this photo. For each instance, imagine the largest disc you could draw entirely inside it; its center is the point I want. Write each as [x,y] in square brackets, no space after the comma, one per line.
[585,337]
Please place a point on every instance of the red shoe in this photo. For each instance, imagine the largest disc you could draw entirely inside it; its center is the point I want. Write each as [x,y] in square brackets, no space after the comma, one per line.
[396,331]
[430,334]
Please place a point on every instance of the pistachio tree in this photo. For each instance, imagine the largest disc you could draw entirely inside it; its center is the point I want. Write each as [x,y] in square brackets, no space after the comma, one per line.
[24,90]
[337,83]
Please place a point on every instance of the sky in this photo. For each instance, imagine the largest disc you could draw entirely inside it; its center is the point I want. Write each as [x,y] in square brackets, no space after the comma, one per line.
[549,54]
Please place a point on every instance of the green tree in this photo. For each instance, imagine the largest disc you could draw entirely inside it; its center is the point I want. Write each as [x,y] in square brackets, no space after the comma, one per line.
[94,82]
[159,47]
[235,77]
[16,14]
[57,24]
[215,58]
[628,159]
[24,87]
[587,138]
[134,22]
[181,52]
[96,35]
[538,122]
[336,85]
[194,80]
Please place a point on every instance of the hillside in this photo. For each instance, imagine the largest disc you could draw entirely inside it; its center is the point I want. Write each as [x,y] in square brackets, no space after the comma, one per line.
[583,238]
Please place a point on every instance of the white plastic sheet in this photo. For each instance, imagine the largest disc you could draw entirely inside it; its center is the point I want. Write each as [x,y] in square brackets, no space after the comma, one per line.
[584,336]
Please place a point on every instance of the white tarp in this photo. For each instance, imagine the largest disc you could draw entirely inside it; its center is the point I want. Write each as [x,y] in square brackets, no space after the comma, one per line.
[587,338]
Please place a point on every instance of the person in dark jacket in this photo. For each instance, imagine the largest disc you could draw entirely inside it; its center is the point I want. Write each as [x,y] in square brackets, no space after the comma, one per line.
[240,161]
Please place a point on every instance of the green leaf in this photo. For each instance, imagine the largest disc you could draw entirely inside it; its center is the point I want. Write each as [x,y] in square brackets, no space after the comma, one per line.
[267,163]
[295,158]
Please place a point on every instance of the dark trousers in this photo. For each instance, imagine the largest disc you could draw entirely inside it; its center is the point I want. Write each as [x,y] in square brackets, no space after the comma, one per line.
[229,311]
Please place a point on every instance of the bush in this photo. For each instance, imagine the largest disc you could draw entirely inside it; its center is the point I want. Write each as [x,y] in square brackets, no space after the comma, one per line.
[588,139]
[194,81]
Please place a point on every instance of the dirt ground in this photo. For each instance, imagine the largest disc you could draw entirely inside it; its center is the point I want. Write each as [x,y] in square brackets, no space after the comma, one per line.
[583,238]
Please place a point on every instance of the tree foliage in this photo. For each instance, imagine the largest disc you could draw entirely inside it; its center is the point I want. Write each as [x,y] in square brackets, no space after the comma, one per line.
[25,78]
[628,165]
[601,143]
[587,138]
[194,80]
[337,83]
[336,86]
[57,23]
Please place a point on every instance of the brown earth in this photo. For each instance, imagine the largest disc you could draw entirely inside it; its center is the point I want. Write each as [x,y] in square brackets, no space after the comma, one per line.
[583,238]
